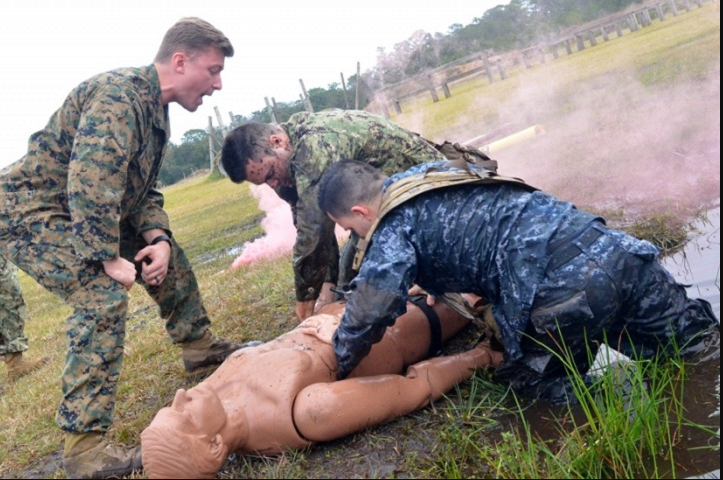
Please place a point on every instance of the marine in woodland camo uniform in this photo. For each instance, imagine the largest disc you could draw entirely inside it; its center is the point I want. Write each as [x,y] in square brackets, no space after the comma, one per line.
[13,313]
[320,139]
[552,273]
[83,194]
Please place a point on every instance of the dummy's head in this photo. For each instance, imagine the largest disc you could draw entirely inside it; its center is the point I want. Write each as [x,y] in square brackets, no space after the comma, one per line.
[259,153]
[350,193]
[184,440]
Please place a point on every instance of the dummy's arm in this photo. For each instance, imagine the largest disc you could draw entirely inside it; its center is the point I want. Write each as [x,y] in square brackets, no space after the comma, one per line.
[327,411]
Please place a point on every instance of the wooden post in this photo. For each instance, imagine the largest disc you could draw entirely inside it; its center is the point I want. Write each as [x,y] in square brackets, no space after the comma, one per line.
[358,81]
[270,111]
[220,120]
[525,60]
[647,21]
[568,46]
[633,21]
[346,94]
[501,68]
[541,51]
[604,32]
[432,89]
[686,4]
[305,98]
[488,70]
[659,10]
[276,110]
[445,90]
[233,119]
[580,42]
[591,36]
[211,154]
[553,51]
[618,29]
[673,8]
[397,106]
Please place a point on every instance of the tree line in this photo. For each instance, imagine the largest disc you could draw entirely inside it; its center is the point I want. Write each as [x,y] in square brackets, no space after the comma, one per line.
[504,28]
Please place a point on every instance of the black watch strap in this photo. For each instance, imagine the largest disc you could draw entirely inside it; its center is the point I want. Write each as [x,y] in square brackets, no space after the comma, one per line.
[161,238]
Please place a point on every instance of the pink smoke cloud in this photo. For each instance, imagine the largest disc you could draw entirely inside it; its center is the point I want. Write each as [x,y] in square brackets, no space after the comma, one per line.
[278,226]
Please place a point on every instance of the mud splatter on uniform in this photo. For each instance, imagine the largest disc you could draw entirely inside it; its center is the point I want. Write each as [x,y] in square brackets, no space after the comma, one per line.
[544,265]
[320,139]
[83,194]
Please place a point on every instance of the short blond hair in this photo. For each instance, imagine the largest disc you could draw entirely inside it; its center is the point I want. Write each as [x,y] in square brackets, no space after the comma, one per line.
[192,35]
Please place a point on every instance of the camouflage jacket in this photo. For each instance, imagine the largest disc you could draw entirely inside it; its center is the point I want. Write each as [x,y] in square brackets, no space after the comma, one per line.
[94,165]
[319,139]
[491,240]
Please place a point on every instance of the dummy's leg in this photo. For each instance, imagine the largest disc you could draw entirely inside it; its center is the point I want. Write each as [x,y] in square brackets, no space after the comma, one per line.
[326,411]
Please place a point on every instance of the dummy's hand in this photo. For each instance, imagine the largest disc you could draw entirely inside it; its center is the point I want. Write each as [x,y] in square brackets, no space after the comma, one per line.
[305,309]
[120,270]
[321,326]
[156,271]
[417,290]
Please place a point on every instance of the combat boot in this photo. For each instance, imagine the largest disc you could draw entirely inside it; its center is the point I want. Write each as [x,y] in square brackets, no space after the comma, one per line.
[89,455]
[19,367]
[209,351]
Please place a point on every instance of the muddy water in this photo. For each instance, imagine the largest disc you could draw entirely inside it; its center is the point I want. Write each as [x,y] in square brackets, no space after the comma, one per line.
[697,265]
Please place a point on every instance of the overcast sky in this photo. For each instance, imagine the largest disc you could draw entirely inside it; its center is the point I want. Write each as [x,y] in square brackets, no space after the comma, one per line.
[49,46]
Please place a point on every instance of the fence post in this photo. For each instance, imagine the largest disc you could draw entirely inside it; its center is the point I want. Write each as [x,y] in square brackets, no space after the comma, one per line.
[604,32]
[591,35]
[432,89]
[346,94]
[568,46]
[553,51]
[488,70]
[501,69]
[397,106]
[580,42]
[659,10]
[673,7]
[618,29]
[270,111]
[445,90]
[305,98]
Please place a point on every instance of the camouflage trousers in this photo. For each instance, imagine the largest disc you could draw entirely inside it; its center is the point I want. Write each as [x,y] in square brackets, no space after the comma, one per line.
[96,328]
[13,313]
[615,291]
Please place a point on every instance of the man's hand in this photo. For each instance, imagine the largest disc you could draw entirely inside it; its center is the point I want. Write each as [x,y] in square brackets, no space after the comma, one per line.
[326,296]
[417,290]
[305,309]
[156,270]
[120,270]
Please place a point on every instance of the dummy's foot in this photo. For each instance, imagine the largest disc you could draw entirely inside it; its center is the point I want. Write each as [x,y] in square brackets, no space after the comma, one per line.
[18,367]
[89,455]
[209,352]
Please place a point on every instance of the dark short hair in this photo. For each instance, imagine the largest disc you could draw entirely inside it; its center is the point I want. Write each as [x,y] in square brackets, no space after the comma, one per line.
[192,35]
[347,183]
[245,142]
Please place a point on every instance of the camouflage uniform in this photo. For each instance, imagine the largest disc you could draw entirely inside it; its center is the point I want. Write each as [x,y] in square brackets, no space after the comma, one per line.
[13,313]
[319,139]
[549,270]
[83,194]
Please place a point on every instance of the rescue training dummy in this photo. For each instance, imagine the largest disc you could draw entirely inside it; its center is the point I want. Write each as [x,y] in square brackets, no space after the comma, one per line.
[283,395]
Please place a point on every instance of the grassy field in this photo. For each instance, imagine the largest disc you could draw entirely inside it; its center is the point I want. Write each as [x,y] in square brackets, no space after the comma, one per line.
[632,131]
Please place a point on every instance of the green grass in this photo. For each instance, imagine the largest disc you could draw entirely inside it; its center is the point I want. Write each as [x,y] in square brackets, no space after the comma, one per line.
[593,154]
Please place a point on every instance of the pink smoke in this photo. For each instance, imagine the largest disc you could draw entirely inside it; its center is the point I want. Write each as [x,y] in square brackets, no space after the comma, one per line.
[278,226]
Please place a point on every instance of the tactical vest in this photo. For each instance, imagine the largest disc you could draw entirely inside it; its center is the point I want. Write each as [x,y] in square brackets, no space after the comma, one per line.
[409,187]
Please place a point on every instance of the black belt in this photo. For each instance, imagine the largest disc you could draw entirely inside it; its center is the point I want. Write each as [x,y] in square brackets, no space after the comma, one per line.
[568,248]
[435,327]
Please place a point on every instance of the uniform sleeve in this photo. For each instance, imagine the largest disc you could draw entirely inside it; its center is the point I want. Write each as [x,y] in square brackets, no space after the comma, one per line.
[316,244]
[150,214]
[97,176]
[378,296]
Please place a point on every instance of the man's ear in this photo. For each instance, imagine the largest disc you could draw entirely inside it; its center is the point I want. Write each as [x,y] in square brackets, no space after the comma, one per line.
[216,447]
[362,210]
[178,60]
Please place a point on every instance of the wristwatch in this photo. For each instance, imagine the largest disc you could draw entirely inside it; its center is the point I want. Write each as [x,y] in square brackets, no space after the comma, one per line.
[161,238]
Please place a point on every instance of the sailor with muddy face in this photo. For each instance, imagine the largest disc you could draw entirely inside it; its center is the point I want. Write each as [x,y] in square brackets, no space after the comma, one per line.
[283,395]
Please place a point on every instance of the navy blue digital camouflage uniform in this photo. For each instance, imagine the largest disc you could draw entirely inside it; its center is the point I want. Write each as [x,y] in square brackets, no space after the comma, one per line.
[83,194]
[549,270]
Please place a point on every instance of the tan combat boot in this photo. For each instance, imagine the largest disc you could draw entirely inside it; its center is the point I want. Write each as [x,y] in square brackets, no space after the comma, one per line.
[209,351]
[89,455]
[19,367]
